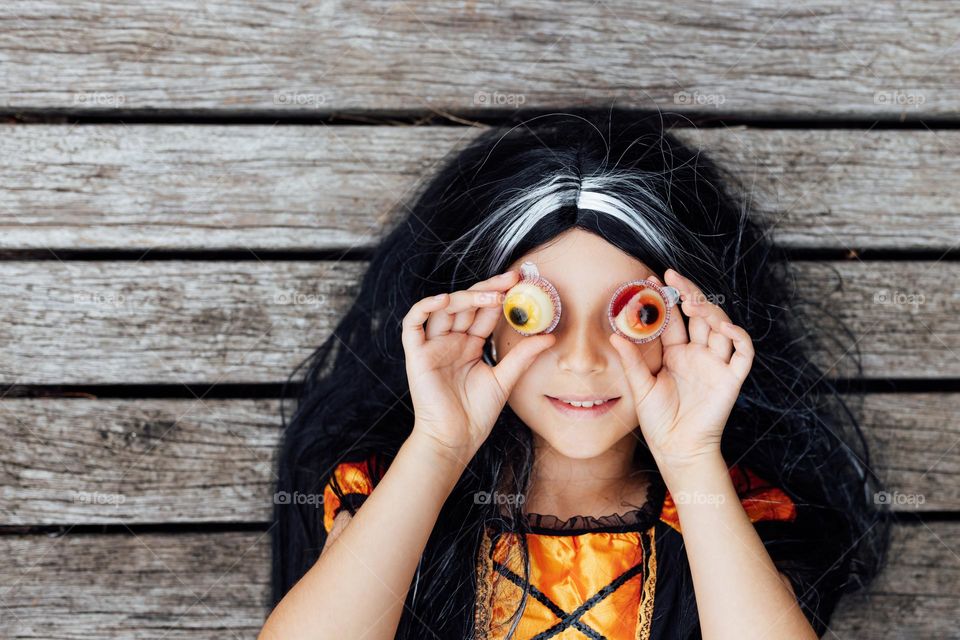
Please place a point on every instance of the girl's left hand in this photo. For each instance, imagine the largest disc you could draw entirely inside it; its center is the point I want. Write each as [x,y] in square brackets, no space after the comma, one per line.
[683,409]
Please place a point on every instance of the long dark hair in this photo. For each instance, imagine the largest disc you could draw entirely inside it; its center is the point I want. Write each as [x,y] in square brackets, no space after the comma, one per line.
[622,176]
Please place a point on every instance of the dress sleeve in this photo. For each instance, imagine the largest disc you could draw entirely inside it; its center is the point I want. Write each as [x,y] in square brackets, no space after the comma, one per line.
[760,499]
[356,481]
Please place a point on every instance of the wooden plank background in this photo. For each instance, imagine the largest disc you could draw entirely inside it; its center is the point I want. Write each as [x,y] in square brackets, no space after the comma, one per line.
[188,189]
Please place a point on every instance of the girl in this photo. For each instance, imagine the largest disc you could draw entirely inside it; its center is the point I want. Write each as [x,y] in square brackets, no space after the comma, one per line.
[718,489]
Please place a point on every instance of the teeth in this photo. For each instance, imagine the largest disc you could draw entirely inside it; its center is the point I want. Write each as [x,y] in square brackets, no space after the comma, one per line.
[585,405]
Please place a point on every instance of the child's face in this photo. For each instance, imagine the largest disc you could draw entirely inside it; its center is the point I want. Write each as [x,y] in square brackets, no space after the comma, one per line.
[586,270]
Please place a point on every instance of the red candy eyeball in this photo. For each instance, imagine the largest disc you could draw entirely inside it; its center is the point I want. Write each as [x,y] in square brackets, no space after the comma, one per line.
[639,311]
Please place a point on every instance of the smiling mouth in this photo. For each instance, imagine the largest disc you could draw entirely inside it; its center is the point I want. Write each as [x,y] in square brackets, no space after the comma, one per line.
[571,408]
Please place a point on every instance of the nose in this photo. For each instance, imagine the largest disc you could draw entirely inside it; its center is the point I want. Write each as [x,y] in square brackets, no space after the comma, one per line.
[581,347]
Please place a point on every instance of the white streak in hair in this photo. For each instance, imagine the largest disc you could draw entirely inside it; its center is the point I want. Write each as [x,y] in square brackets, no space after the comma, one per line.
[626,197]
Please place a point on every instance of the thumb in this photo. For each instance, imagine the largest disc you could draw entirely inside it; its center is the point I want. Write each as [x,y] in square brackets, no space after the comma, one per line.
[639,377]
[509,369]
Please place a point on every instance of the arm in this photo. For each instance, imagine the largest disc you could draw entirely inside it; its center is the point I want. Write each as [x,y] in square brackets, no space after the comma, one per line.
[358,586]
[740,594]
[683,408]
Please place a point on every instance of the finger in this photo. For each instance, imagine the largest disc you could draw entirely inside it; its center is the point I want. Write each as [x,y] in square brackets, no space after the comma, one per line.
[442,322]
[697,307]
[471,299]
[511,366]
[675,332]
[475,299]
[694,301]
[485,321]
[500,282]
[482,321]
[464,320]
[718,342]
[742,358]
[439,322]
[699,329]
[413,334]
[637,372]
[704,317]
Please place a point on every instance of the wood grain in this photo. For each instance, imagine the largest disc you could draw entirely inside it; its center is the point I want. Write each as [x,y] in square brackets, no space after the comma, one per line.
[145,461]
[821,58]
[191,585]
[243,322]
[201,187]
[194,585]
[239,187]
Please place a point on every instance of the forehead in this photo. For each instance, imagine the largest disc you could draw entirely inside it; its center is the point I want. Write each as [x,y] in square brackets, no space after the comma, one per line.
[582,262]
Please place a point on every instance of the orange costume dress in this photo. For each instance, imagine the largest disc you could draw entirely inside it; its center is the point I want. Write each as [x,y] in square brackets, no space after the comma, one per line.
[615,577]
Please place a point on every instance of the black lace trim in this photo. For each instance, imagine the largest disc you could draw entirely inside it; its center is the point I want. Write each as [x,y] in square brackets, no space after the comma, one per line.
[633,520]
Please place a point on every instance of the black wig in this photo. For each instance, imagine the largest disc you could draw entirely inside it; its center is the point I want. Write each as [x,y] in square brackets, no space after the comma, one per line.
[622,176]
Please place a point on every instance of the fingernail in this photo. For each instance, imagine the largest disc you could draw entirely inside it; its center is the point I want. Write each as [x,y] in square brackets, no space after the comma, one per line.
[439,296]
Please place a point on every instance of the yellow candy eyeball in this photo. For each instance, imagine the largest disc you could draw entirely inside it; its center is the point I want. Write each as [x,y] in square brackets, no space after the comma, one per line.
[532,305]
[639,310]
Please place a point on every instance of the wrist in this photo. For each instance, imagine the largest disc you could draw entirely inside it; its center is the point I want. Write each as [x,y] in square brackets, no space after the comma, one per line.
[689,469]
[432,451]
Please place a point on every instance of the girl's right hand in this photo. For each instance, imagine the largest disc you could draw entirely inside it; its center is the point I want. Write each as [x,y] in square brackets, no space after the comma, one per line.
[456,396]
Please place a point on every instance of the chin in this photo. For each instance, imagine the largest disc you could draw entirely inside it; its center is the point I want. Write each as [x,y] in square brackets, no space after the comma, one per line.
[578,443]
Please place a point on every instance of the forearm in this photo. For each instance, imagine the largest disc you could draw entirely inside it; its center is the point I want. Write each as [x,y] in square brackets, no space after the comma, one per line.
[358,586]
[740,594]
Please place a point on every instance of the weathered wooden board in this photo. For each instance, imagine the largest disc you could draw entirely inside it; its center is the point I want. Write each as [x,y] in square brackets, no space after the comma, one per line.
[215,586]
[175,322]
[825,57]
[916,597]
[215,322]
[123,186]
[137,461]
[903,316]
[206,187]
[192,585]
[85,461]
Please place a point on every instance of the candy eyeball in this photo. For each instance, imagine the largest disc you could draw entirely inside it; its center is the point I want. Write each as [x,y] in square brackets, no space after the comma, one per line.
[640,310]
[532,305]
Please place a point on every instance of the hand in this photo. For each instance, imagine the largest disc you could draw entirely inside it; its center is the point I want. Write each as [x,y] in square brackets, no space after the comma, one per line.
[683,409]
[456,396]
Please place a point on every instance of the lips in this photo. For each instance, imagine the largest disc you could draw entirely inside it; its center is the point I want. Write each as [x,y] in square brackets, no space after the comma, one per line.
[582,412]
